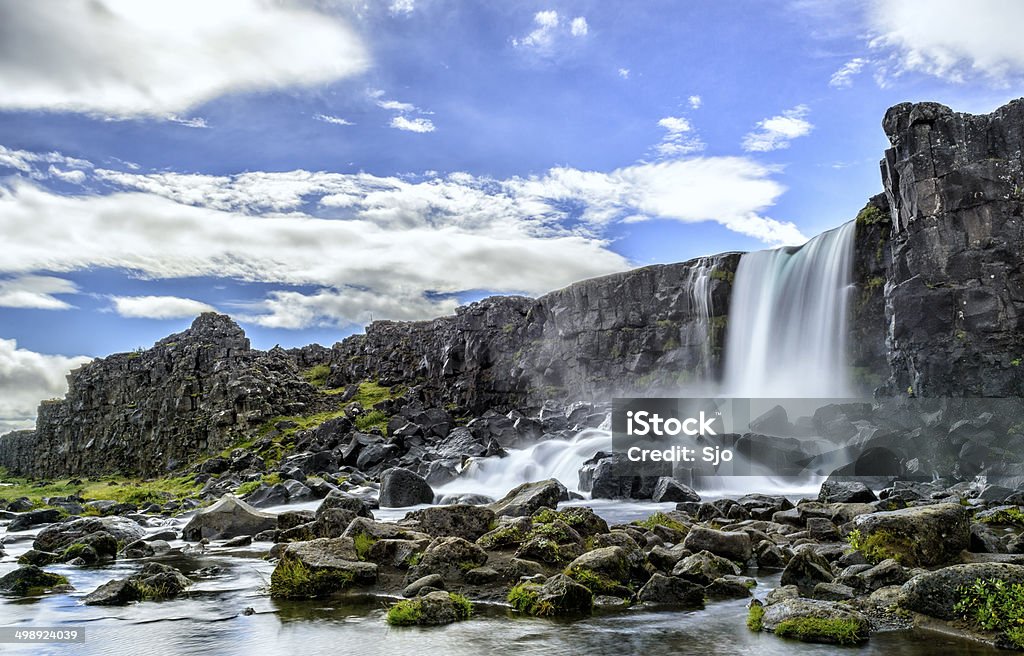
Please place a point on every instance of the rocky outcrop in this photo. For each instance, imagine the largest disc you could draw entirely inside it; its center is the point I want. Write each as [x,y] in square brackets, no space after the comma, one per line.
[147,412]
[955,297]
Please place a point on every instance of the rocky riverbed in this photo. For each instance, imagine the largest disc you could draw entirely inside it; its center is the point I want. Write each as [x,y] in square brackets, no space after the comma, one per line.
[693,576]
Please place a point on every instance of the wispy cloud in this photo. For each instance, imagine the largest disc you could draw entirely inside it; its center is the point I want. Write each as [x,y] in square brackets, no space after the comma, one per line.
[843,78]
[333,120]
[778,131]
[680,138]
[412,125]
[624,73]
[695,102]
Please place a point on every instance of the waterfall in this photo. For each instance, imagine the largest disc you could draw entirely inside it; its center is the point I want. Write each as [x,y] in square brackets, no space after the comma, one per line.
[698,284]
[788,320]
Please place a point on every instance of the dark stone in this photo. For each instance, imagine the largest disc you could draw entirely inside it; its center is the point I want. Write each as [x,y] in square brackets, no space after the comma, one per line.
[400,488]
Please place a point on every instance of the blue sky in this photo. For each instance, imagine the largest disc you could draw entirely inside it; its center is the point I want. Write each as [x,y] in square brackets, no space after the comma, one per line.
[305,166]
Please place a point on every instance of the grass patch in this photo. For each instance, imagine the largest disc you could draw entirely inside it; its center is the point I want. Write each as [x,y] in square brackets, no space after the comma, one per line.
[525,598]
[371,393]
[661,519]
[754,617]
[317,376]
[363,543]
[293,580]
[818,629]
[372,419]
[1005,517]
[115,488]
[247,488]
[593,581]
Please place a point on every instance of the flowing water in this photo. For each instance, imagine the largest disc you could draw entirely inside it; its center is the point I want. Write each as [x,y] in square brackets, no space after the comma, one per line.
[699,286]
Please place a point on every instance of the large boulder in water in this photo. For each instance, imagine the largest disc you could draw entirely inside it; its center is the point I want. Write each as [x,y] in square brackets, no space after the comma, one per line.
[58,537]
[937,593]
[319,567]
[921,536]
[228,518]
[400,488]
[831,622]
[734,545]
[526,499]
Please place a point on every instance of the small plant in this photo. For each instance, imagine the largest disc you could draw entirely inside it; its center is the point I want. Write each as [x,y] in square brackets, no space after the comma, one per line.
[882,545]
[755,616]
[405,613]
[291,579]
[317,376]
[593,581]
[363,543]
[1011,516]
[525,598]
[994,605]
[372,419]
[661,519]
[818,629]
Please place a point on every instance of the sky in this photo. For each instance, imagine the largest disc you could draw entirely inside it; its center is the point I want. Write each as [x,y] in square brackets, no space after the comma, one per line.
[307,166]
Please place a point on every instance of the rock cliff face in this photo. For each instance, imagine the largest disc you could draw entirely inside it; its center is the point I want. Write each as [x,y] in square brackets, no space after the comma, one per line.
[635,331]
[147,412]
[955,296]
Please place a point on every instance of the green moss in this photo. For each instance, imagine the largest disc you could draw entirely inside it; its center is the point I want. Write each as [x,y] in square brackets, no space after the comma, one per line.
[371,393]
[754,617]
[550,532]
[871,215]
[372,419]
[249,487]
[414,559]
[317,376]
[1005,517]
[73,551]
[817,629]
[293,580]
[363,543]
[115,488]
[502,537]
[593,581]
[525,598]
[882,545]
[463,606]
[38,581]
[407,612]
[661,519]
[723,275]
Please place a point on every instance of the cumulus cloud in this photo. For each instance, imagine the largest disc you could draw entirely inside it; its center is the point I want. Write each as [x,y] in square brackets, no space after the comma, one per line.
[27,161]
[329,307]
[402,7]
[159,307]
[949,39]
[680,138]
[778,131]
[549,30]
[412,124]
[26,377]
[695,102]
[843,78]
[160,58]
[333,120]
[36,292]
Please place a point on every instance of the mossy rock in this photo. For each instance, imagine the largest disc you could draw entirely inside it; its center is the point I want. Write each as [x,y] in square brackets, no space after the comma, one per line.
[558,596]
[434,608]
[811,620]
[922,536]
[31,580]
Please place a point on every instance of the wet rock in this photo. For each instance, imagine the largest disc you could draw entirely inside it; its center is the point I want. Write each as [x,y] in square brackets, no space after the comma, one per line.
[704,567]
[806,569]
[29,580]
[346,501]
[557,596]
[449,557]
[769,555]
[734,545]
[227,518]
[33,518]
[833,592]
[428,581]
[292,518]
[400,488]
[671,590]
[936,593]
[266,496]
[606,563]
[730,587]
[784,617]
[467,522]
[669,489]
[58,537]
[319,567]
[432,609]
[836,491]
[154,582]
[527,498]
[138,549]
[919,536]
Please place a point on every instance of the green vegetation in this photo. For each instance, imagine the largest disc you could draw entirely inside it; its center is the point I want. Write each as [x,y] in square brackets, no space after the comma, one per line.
[661,519]
[525,598]
[35,581]
[754,617]
[882,545]
[818,629]
[371,393]
[317,376]
[363,543]
[871,215]
[1011,516]
[549,531]
[114,488]
[293,580]
[373,419]
[409,612]
[725,276]
[994,605]
[593,581]
[249,487]
[502,537]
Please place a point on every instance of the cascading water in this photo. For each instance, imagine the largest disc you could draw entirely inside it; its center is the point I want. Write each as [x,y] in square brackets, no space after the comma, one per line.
[787,320]
[698,284]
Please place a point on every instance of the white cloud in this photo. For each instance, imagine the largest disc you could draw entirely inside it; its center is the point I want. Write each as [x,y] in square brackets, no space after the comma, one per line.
[333,120]
[624,73]
[776,132]
[948,38]
[36,292]
[162,57]
[402,7]
[331,307]
[412,125]
[25,378]
[74,177]
[843,78]
[396,106]
[26,161]
[159,307]
[194,122]
[549,29]
[695,102]
[679,138]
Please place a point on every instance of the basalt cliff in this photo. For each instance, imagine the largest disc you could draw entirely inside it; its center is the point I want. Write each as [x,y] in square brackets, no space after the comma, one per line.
[936,310]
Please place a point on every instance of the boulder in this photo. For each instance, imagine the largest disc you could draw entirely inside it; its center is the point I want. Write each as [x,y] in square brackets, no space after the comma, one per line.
[669,489]
[557,596]
[346,501]
[400,488]
[829,621]
[319,567]
[835,491]
[526,499]
[936,593]
[467,522]
[432,609]
[704,567]
[734,545]
[448,557]
[673,590]
[154,582]
[806,569]
[920,536]
[29,579]
[227,518]
[32,518]
[58,537]
[604,568]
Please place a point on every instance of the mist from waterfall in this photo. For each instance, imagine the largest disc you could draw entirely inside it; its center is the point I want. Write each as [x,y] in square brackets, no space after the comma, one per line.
[788,320]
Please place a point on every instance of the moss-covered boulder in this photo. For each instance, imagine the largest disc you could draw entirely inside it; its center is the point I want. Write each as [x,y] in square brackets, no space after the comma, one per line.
[30,580]
[704,567]
[154,582]
[937,593]
[558,596]
[811,620]
[922,536]
[603,571]
[319,567]
[448,557]
[433,608]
